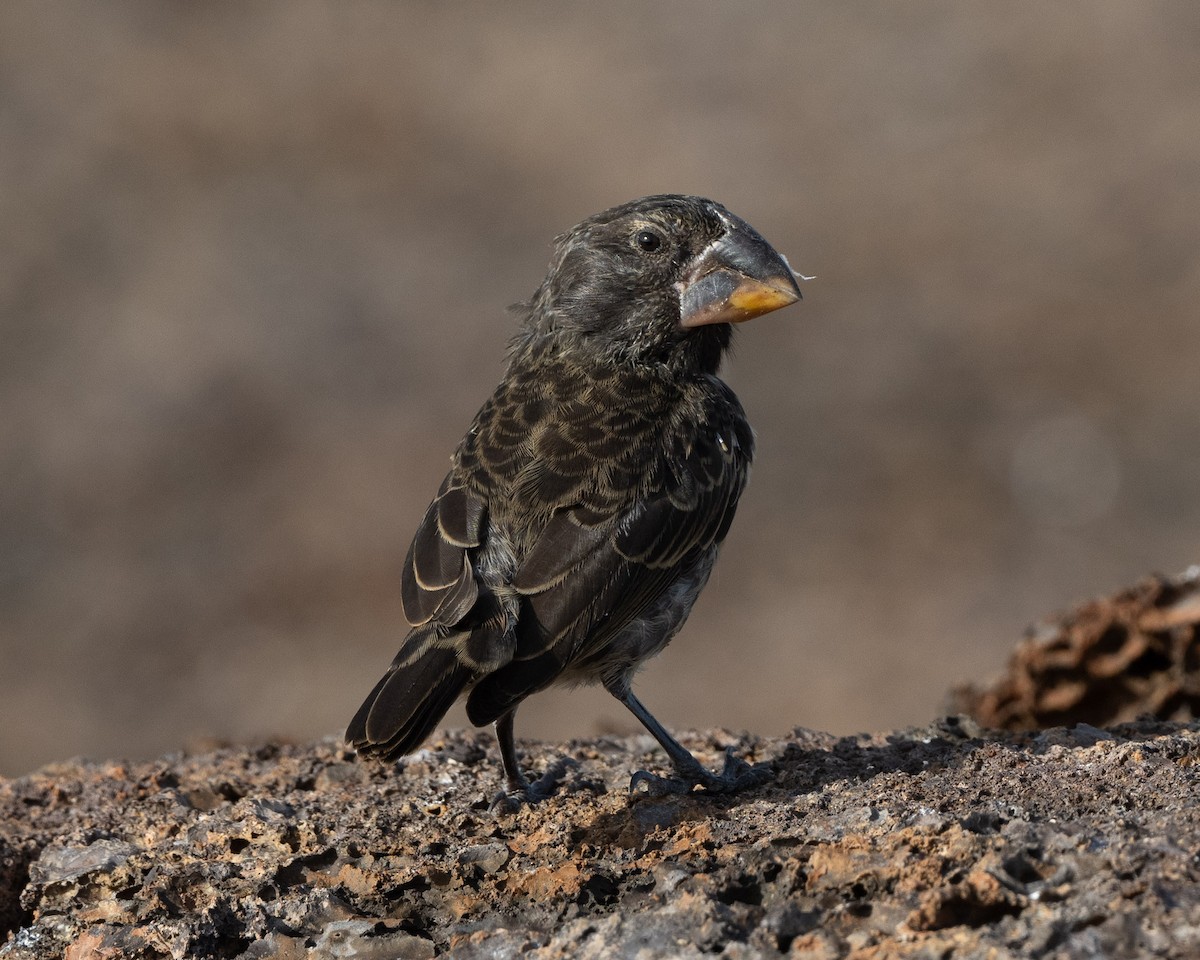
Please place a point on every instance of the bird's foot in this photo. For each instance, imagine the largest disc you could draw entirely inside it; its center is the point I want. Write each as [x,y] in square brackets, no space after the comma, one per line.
[521,792]
[735,776]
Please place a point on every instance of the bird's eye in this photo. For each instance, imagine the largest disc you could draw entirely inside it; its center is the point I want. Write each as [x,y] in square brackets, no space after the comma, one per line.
[647,240]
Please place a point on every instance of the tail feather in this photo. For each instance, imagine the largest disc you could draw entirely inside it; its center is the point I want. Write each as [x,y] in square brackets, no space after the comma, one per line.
[409,700]
[499,692]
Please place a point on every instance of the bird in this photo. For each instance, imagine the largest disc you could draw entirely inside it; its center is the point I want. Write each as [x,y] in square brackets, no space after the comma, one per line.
[583,509]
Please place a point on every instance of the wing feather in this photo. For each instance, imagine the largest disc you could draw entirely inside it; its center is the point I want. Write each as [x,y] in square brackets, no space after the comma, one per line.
[587,578]
[438,582]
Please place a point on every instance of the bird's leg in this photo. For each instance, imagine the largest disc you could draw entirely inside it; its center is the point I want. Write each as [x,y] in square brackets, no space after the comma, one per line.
[514,777]
[518,789]
[736,774]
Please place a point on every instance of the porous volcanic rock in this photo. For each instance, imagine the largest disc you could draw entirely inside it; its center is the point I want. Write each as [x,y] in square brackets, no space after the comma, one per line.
[1110,660]
[931,842]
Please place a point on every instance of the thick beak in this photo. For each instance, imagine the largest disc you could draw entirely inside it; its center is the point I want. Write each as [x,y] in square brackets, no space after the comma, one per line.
[736,278]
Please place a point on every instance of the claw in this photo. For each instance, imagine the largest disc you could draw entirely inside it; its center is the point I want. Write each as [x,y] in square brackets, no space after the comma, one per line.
[510,801]
[522,792]
[656,786]
[735,775]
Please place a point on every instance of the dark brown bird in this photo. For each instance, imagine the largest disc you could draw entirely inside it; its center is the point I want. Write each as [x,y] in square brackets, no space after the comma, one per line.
[583,509]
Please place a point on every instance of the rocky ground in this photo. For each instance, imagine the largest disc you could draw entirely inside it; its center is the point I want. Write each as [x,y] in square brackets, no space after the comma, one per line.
[950,840]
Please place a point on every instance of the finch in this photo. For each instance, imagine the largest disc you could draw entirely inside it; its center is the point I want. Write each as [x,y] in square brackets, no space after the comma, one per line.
[584,507]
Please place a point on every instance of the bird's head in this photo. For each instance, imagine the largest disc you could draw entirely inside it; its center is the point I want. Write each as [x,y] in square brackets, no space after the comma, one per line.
[658,281]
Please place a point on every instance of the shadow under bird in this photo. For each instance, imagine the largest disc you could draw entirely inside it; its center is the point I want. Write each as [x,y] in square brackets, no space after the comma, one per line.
[584,508]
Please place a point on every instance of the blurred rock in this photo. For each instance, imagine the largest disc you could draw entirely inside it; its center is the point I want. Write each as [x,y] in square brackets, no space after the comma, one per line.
[1109,661]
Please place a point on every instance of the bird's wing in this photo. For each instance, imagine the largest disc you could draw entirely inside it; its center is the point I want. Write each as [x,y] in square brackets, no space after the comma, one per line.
[437,589]
[592,572]
[442,654]
[438,582]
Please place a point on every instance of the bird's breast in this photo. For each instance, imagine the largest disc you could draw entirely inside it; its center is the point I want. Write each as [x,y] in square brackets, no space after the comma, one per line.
[567,439]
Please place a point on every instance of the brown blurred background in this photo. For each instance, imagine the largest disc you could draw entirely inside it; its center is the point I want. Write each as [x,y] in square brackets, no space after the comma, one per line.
[254,260]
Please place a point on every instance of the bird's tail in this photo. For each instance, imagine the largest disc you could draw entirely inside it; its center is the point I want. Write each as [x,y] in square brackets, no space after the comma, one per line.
[411,698]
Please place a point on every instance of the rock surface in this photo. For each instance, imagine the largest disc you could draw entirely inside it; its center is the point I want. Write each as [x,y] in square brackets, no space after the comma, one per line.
[1064,843]
[952,840]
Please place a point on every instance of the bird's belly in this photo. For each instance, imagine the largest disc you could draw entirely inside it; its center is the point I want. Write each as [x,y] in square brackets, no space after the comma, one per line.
[646,636]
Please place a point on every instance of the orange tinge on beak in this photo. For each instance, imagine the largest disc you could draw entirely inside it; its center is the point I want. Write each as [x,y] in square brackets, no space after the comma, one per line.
[753,298]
